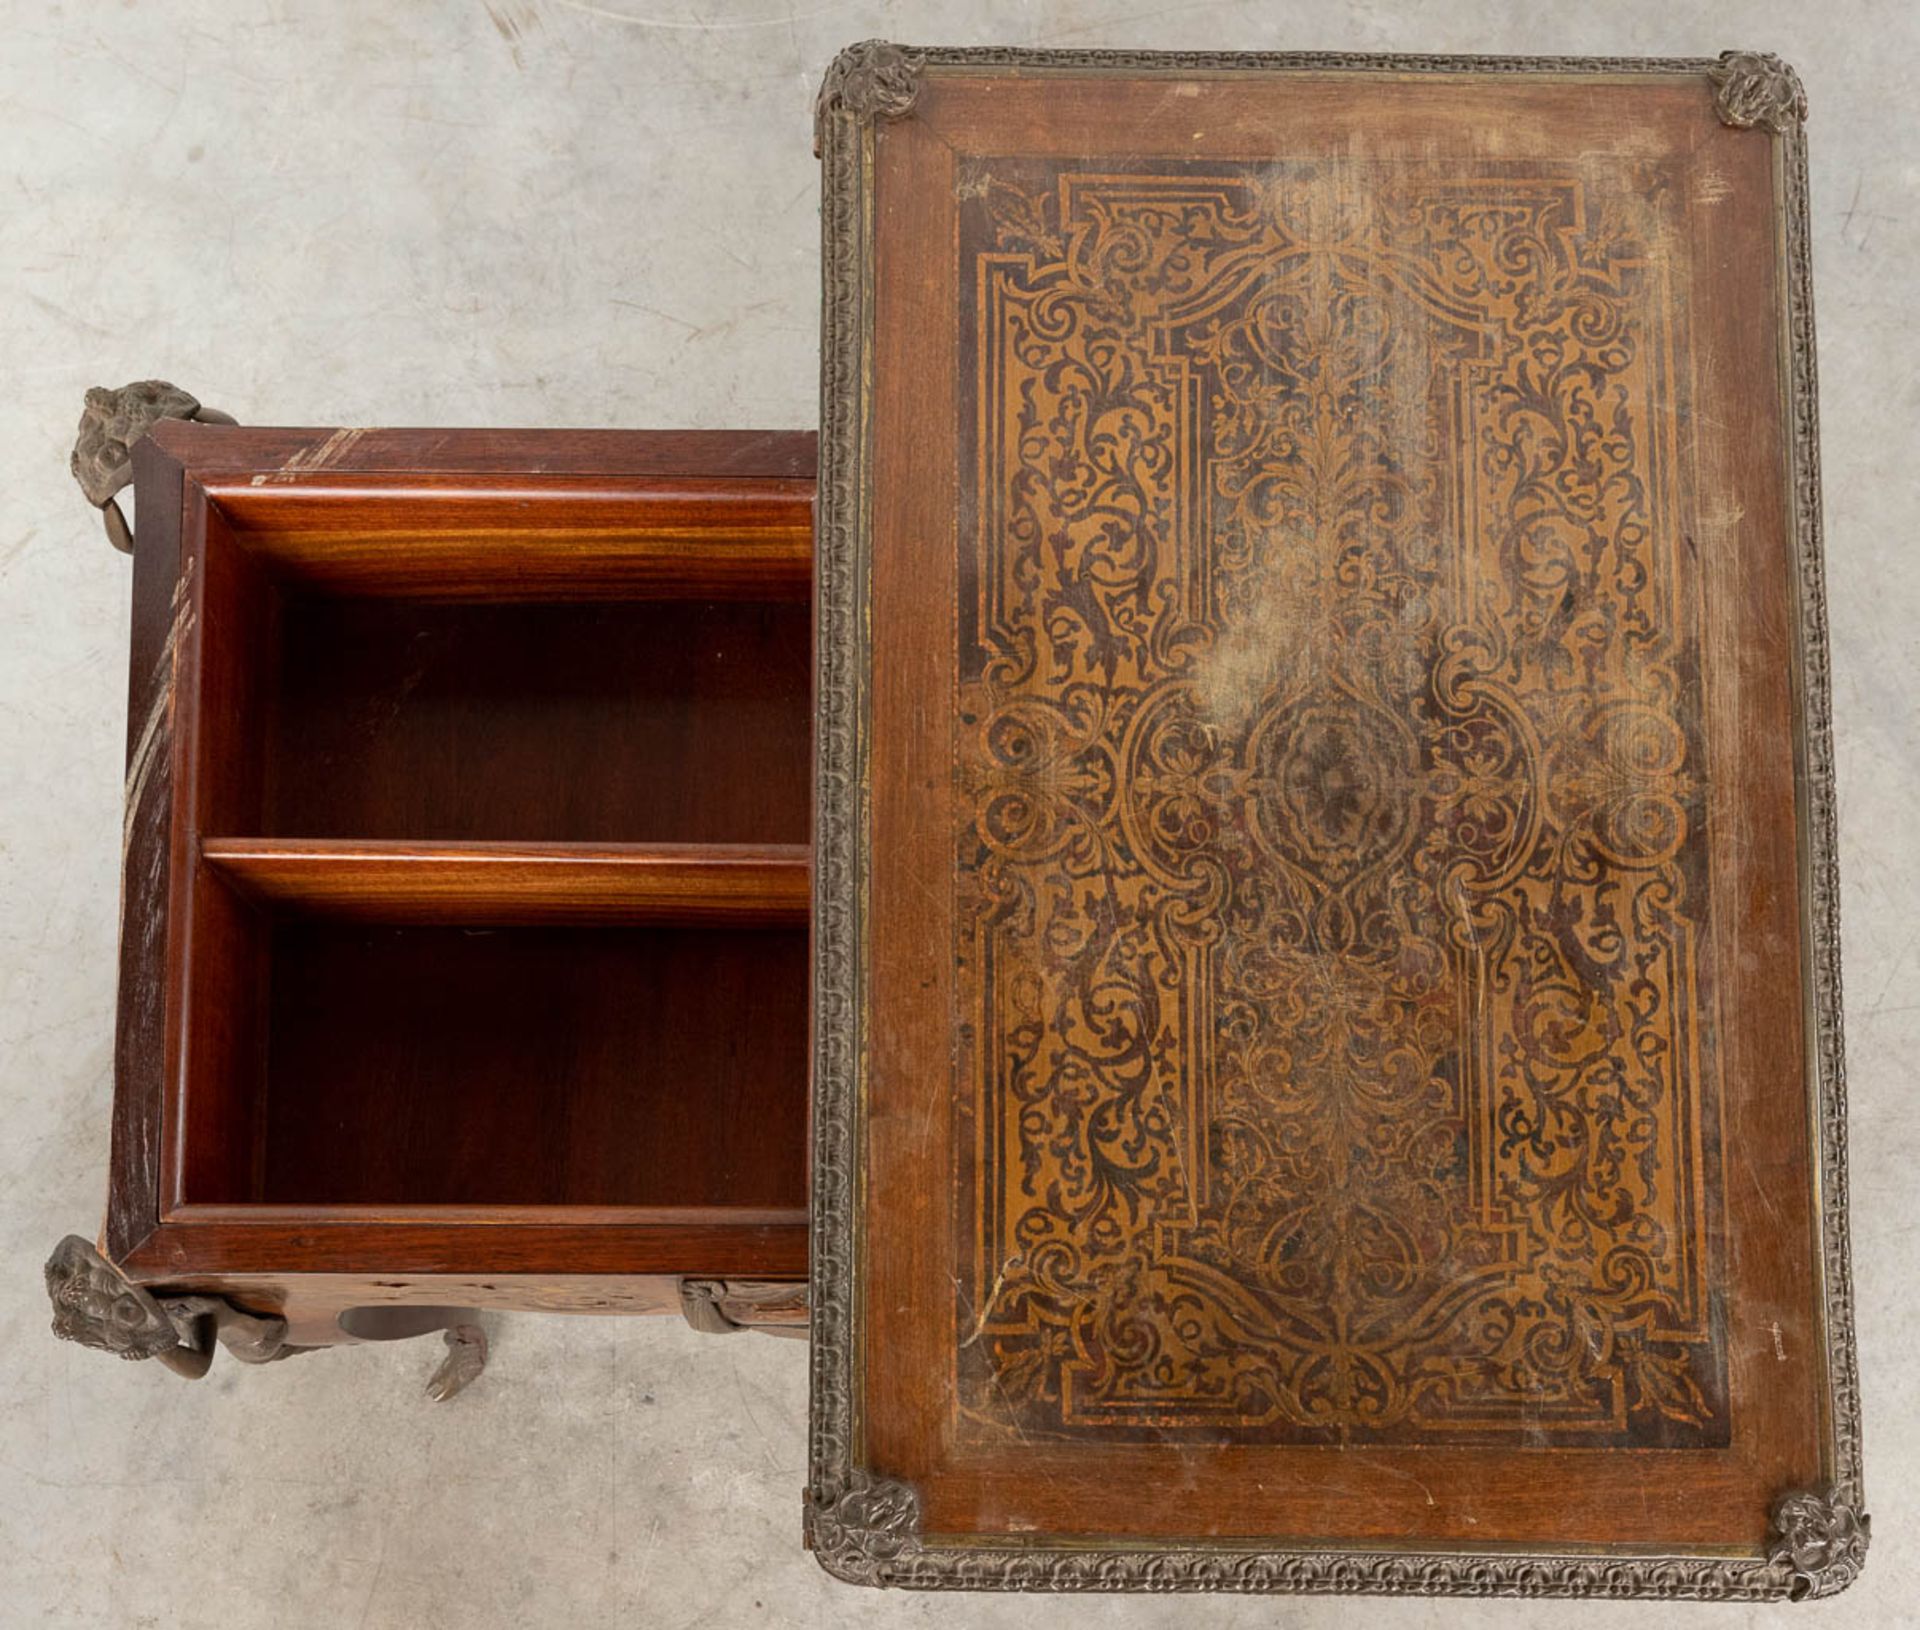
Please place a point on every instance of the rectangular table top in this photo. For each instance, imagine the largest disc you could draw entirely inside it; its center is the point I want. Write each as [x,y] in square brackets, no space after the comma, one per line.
[1328,1068]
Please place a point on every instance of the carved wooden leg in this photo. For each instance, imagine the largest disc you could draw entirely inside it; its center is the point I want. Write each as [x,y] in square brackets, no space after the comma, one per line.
[466,1358]
[466,1341]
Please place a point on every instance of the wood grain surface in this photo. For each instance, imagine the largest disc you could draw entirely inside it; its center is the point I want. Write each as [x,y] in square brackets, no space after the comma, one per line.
[1335,987]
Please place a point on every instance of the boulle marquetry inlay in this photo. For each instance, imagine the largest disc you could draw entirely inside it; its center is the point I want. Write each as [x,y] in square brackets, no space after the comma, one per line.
[1332,945]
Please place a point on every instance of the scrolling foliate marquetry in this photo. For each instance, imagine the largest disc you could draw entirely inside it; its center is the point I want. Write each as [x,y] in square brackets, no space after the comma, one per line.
[1336,1031]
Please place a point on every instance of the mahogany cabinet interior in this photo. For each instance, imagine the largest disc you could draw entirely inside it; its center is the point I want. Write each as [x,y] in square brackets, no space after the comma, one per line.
[465,933]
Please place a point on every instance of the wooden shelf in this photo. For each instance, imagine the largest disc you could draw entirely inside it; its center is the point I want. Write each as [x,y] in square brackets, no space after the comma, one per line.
[522,884]
[525,538]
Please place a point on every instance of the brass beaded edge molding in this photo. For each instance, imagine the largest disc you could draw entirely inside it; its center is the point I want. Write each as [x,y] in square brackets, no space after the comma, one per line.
[866,1529]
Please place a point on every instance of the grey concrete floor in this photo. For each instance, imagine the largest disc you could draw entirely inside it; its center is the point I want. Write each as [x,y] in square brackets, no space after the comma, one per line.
[550,212]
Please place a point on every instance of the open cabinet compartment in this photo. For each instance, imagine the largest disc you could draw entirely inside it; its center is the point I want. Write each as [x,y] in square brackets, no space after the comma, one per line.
[605,721]
[494,697]
[358,1058]
[490,800]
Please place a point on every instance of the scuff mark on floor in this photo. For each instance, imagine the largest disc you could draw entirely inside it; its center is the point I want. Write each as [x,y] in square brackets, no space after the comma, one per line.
[513,20]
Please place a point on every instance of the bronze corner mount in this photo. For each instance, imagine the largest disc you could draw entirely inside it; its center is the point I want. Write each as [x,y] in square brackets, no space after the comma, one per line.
[869,80]
[96,1305]
[1757,90]
[859,1530]
[721,1307]
[111,422]
[1822,1536]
